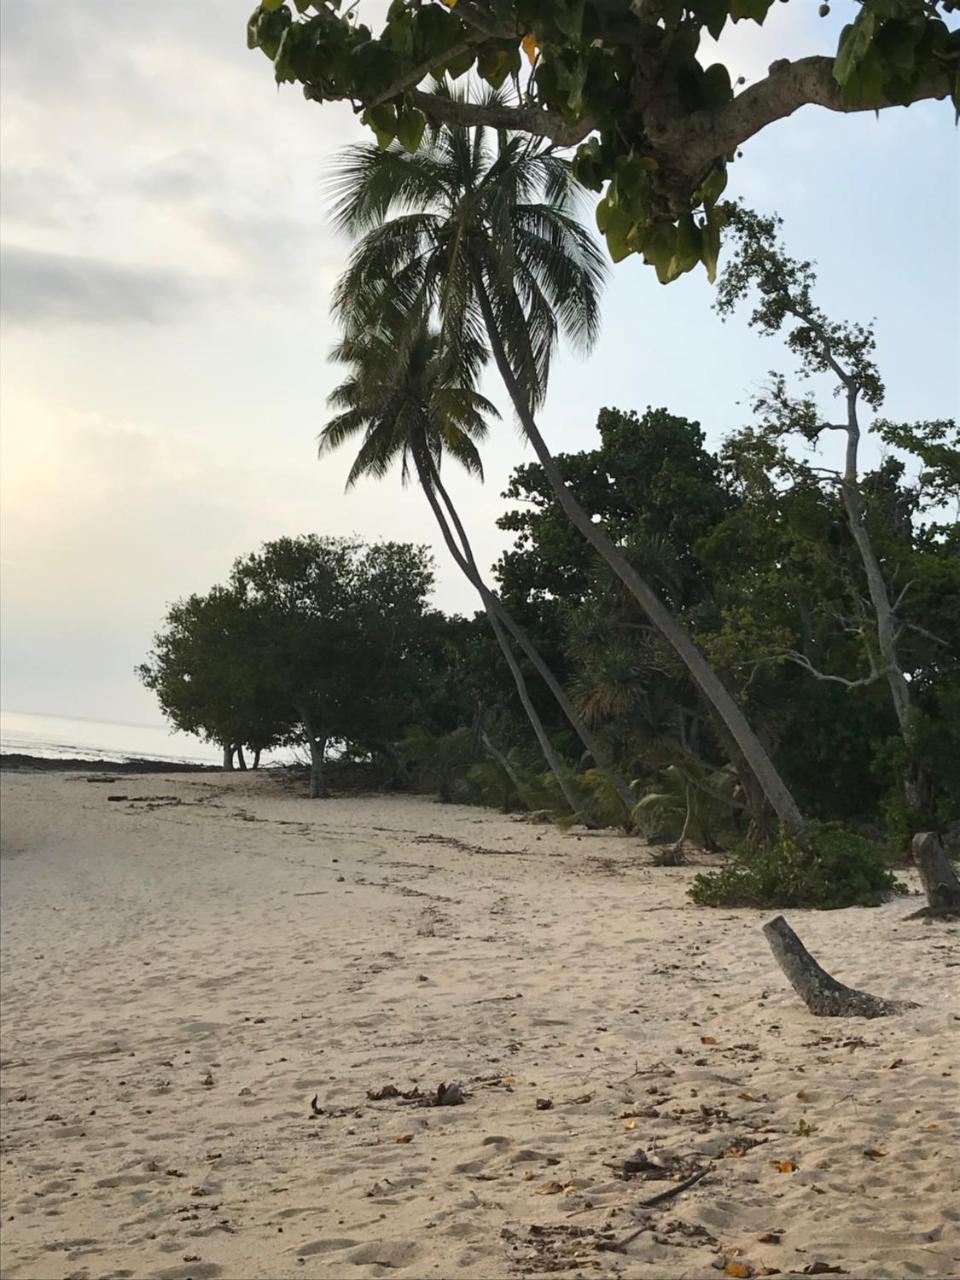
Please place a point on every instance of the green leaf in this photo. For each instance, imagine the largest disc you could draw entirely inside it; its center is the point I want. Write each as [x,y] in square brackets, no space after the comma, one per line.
[271,6]
[383,121]
[710,243]
[410,126]
[855,40]
[755,9]
[713,185]
[689,244]
[716,87]
[659,245]
[713,15]
[616,224]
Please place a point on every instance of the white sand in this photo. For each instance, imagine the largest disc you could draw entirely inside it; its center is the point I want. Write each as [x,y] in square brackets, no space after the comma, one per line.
[181,977]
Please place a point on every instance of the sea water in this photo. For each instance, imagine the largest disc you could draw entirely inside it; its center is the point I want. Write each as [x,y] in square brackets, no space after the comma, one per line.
[60,738]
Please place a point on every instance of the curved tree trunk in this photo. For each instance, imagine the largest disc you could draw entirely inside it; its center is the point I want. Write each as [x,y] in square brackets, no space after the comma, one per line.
[536,723]
[468,565]
[706,679]
[241,759]
[227,756]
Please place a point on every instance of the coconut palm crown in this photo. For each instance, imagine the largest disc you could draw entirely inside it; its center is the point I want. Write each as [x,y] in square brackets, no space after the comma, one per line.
[410,399]
[474,214]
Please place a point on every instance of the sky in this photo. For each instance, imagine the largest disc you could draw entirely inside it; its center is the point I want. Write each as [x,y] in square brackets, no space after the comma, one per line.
[167,263]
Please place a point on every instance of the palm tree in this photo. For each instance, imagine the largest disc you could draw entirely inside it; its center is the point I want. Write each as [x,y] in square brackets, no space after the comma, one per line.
[412,401]
[484,229]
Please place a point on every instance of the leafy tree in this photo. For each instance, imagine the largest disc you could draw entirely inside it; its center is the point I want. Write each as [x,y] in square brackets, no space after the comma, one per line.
[206,671]
[494,245]
[342,630]
[656,129]
[781,290]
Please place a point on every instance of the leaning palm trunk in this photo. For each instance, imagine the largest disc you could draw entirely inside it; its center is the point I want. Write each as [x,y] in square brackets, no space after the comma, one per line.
[706,679]
[468,567]
[536,723]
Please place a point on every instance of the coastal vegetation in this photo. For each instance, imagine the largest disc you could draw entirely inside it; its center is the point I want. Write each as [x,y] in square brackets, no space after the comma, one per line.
[739,649]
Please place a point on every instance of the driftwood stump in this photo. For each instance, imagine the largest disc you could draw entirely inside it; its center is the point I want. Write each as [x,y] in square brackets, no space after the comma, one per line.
[938,877]
[823,995]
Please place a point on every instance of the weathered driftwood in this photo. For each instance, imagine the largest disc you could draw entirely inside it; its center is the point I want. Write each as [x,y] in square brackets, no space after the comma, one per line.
[938,877]
[823,995]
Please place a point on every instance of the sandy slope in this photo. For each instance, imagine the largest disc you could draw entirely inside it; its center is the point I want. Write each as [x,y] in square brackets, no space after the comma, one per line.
[183,974]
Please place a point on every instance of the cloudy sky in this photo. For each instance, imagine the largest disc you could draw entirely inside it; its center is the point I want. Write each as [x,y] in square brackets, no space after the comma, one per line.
[167,266]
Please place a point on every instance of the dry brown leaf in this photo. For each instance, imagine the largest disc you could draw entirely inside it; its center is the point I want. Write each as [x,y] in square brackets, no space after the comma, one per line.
[508,1080]
[935,1125]
[746,1096]
[770,1237]
[404,1137]
[551,1189]
[783,1166]
[803,1095]
[708,1040]
[629,1124]
[872,1153]
[737,1269]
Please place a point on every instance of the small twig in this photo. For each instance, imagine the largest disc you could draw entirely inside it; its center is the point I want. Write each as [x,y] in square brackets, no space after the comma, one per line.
[311,893]
[618,1246]
[675,1190]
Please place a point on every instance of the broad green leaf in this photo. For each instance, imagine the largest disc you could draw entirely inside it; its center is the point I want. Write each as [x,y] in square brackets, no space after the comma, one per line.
[270,6]
[410,126]
[854,43]
[716,85]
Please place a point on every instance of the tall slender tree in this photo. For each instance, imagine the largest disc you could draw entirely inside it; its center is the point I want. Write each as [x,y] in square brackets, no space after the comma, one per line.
[485,230]
[414,399]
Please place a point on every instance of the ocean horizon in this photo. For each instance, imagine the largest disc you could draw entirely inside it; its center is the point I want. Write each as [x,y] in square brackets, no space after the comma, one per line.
[53,737]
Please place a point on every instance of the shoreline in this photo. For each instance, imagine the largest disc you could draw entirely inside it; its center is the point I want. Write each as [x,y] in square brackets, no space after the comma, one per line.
[23,762]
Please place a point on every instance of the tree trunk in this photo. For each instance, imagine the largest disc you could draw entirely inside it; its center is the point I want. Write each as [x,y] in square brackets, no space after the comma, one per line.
[706,679]
[937,875]
[227,756]
[504,764]
[256,757]
[241,760]
[318,751]
[553,761]
[468,566]
[823,995]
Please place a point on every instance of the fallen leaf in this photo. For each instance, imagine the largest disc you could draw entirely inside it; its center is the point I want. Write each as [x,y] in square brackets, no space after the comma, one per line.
[897,1062]
[629,1124]
[873,1154]
[935,1125]
[747,1097]
[803,1095]
[509,1080]
[737,1269]
[404,1137]
[783,1166]
[551,1189]
[770,1237]
[708,1040]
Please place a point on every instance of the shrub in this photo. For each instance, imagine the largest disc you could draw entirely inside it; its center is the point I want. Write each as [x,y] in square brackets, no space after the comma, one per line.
[834,867]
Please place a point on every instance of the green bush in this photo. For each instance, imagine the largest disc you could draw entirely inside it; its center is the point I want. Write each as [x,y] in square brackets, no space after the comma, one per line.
[834,867]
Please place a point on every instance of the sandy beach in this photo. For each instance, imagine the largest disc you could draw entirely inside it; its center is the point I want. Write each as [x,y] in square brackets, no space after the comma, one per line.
[186,967]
